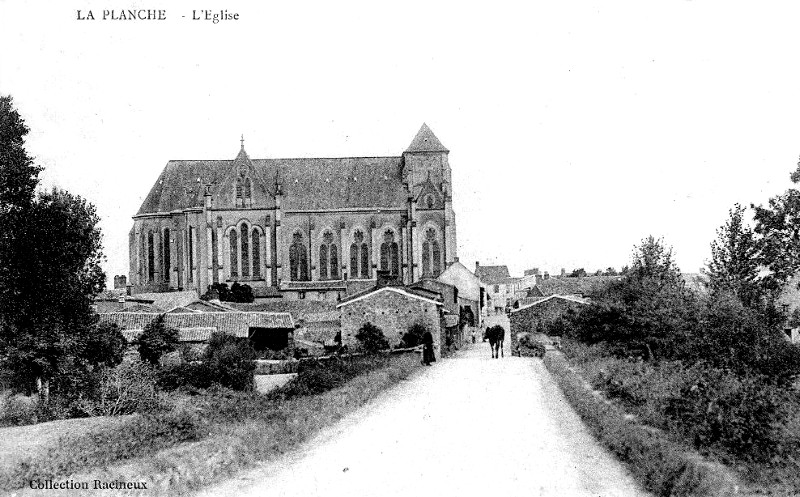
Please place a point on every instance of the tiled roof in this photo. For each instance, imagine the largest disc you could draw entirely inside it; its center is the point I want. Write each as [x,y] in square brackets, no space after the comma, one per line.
[232,323]
[141,308]
[307,183]
[308,310]
[426,141]
[492,274]
[408,292]
[586,285]
[184,334]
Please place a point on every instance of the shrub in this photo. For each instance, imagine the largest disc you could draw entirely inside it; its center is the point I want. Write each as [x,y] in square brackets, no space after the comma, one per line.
[156,340]
[129,388]
[186,374]
[230,361]
[371,339]
[530,347]
[413,336]
[16,410]
[317,376]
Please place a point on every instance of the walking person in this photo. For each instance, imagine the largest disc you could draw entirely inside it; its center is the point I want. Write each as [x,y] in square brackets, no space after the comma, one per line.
[427,349]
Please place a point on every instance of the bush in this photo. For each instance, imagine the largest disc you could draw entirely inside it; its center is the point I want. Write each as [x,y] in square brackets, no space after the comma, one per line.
[317,376]
[230,361]
[156,340]
[186,374]
[17,410]
[530,347]
[129,388]
[371,339]
[413,336]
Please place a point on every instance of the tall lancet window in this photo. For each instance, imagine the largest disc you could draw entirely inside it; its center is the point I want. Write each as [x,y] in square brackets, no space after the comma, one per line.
[390,254]
[328,258]
[359,256]
[256,247]
[245,250]
[234,242]
[431,254]
[298,259]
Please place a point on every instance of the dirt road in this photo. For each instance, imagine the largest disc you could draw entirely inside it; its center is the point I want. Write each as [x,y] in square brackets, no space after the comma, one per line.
[467,426]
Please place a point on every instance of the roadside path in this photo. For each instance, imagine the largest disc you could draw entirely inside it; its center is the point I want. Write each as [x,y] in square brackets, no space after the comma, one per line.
[470,425]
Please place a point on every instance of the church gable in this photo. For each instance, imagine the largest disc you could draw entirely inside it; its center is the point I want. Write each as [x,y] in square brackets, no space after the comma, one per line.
[242,186]
[429,197]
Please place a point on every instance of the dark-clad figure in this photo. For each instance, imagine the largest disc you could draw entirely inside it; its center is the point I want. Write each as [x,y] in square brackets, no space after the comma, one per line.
[427,349]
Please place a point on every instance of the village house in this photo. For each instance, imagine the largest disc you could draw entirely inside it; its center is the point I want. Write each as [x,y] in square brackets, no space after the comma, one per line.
[501,287]
[393,309]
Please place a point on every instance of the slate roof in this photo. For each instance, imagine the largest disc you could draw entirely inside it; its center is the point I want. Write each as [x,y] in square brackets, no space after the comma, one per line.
[233,323]
[314,285]
[585,285]
[426,141]
[306,183]
[492,274]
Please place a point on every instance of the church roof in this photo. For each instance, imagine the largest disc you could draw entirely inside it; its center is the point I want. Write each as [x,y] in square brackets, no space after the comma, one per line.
[307,183]
[426,141]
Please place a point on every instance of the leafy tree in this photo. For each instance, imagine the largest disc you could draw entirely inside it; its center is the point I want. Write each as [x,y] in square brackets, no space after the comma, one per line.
[610,271]
[577,273]
[778,226]
[156,340]
[236,293]
[241,293]
[734,264]
[371,339]
[50,248]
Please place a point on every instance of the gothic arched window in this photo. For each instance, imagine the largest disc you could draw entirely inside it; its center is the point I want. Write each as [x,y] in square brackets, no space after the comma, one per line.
[151,257]
[359,256]
[298,259]
[234,242]
[328,258]
[334,273]
[256,247]
[166,257]
[390,251]
[245,250]
[431,254]
[247,188]
[323,262]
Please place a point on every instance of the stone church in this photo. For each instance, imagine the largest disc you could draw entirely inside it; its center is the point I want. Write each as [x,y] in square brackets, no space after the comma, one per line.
[316,228]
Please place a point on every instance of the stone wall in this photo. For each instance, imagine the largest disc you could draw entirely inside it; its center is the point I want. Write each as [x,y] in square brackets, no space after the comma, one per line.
[393,313]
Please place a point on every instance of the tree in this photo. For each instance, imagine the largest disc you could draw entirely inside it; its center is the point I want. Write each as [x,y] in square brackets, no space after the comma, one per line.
[610,271]
[236,293]
[50,248]
[371,339]
[577,273]
[156,340]
[734,264]
[413,336]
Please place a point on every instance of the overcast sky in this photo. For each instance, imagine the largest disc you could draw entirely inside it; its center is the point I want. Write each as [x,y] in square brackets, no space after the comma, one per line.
[575,128]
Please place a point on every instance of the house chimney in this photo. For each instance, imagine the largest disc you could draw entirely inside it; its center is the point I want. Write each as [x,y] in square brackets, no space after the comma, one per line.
[563,272]
[477,265]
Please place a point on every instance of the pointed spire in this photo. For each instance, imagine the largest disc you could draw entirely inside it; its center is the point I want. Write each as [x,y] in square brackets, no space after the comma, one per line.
[242,141]
[426,141]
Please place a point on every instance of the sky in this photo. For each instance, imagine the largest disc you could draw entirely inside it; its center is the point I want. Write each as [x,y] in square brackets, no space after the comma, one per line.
[575,128]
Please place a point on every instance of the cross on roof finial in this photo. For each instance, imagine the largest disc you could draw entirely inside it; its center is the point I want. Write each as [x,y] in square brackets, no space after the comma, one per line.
[242,141]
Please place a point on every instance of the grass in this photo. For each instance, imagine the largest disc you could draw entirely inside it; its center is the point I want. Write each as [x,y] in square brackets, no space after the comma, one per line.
[662,465]
[238,430]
